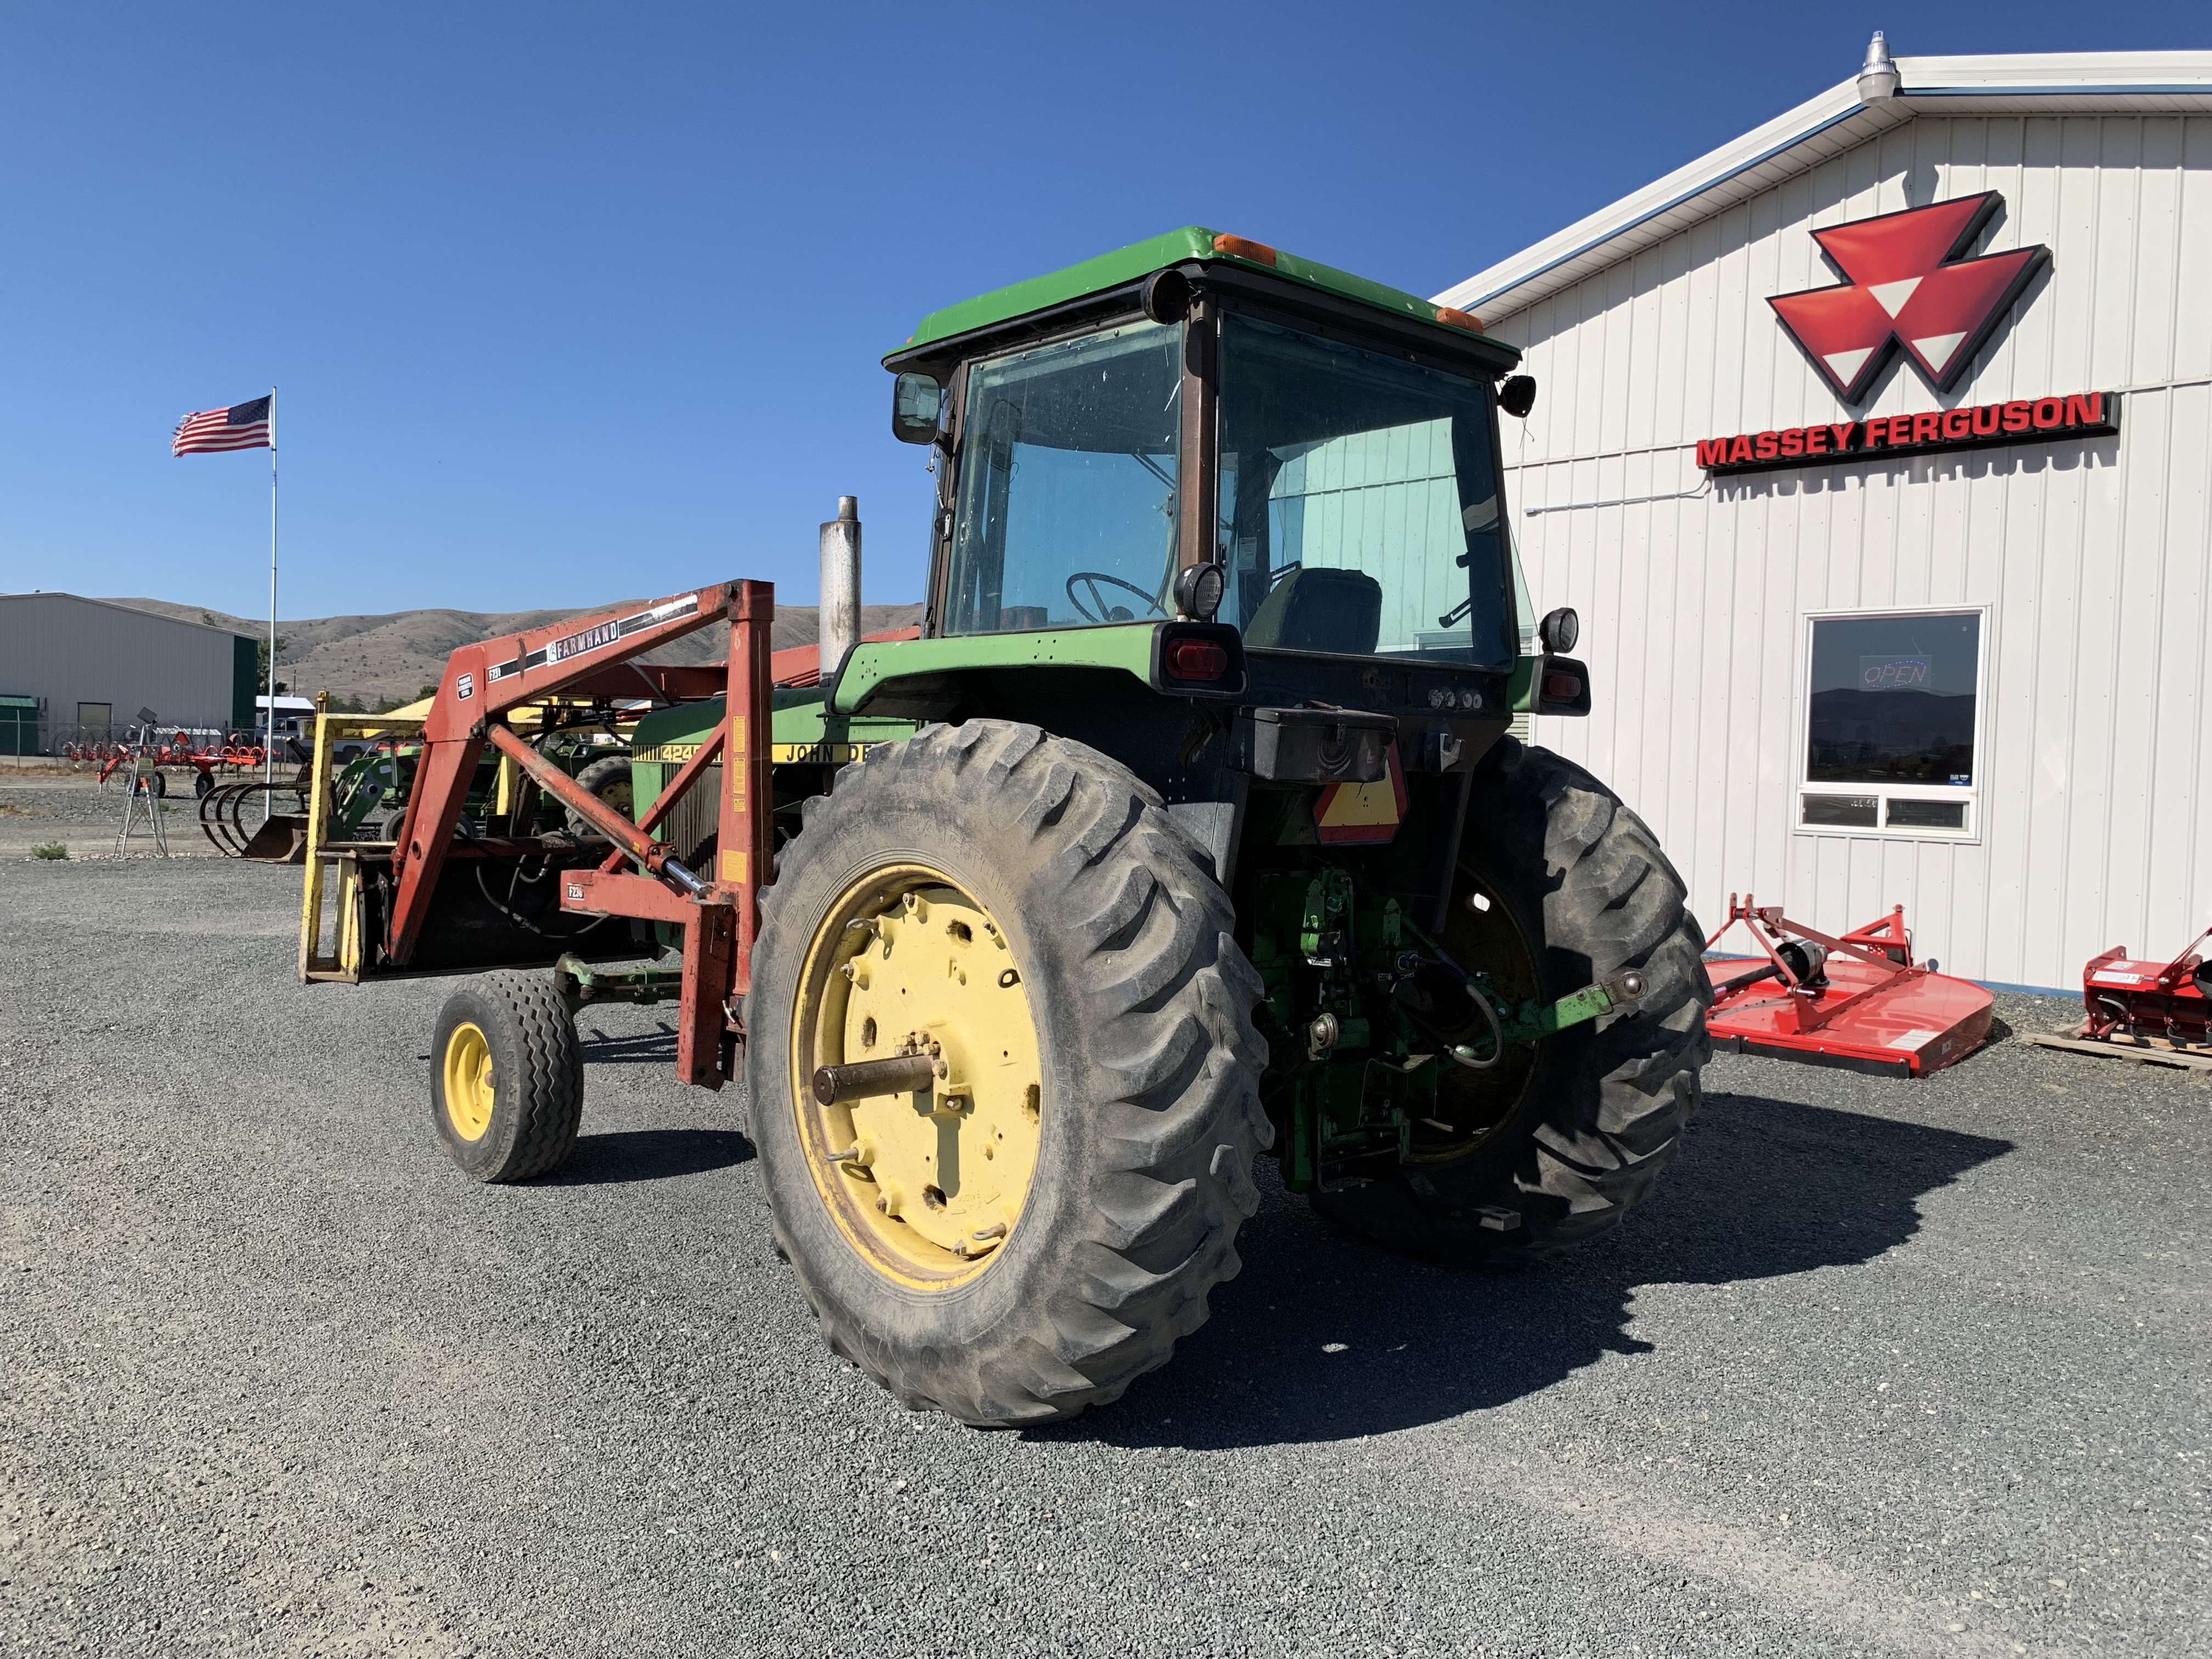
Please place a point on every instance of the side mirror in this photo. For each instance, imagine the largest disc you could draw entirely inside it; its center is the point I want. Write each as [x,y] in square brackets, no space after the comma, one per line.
[1518,395]
[917,407]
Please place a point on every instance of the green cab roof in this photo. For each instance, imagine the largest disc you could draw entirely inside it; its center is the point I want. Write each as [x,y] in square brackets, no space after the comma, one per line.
[1141,259]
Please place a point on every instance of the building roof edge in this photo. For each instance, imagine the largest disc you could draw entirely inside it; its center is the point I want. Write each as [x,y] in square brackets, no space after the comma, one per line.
[1800,138]
[128,609]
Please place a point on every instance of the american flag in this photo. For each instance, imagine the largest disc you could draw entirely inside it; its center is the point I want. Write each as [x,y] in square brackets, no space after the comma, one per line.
[242,426]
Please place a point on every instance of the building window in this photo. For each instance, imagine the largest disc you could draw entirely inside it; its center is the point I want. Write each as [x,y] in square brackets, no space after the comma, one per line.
[1893,733]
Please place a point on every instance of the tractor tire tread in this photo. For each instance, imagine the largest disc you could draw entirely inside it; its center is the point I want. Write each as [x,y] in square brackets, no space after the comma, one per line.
[541,1105]
[594,778]
[1164,1032]
[1610,901]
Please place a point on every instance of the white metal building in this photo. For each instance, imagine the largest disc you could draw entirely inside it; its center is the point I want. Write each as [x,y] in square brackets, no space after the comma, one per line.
[92,667]
[1962,664]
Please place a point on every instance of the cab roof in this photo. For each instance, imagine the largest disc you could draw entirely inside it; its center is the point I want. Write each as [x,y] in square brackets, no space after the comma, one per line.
[1139,259]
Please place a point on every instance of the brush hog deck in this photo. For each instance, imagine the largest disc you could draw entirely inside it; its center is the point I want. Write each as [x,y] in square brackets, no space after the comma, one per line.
[1859,1001]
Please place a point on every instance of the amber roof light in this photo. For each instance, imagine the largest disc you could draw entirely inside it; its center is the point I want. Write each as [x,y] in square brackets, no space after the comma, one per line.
[1243,247]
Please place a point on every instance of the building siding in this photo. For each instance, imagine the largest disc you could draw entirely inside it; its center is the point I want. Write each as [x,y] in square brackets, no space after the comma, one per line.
[2090,555]
[69,650]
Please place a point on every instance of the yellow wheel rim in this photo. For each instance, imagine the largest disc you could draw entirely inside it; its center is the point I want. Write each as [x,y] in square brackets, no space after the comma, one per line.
[930,1184]
[468,1081]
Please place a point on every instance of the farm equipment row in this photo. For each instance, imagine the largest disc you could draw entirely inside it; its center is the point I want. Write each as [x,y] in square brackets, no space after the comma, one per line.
[183,748]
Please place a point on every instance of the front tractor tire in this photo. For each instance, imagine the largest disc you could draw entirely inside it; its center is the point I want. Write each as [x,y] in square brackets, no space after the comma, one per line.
[1019,1230]
[1559,885]
[506,1078]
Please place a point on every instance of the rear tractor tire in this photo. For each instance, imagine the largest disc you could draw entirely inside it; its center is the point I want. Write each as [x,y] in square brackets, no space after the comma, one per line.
[1559,886]
[506,1078]
[1027,1216]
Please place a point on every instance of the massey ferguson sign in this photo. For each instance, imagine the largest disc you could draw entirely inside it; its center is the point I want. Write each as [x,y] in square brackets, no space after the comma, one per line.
[1910,289]
[2023,420]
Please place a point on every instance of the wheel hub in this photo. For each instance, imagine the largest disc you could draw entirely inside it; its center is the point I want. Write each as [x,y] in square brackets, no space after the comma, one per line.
[929,1180]
[468,1081]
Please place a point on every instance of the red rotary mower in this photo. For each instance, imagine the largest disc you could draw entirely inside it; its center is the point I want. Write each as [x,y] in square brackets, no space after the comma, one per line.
[1859,1001]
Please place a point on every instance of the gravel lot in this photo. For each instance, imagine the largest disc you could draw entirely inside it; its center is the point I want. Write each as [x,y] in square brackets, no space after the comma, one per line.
[1884,1369]
[77,812]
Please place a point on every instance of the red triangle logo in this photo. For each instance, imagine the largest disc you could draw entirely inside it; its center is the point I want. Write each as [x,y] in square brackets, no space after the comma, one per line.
[1908,289]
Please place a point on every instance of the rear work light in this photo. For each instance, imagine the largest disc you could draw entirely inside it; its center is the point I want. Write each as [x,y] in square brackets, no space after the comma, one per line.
[1196,659]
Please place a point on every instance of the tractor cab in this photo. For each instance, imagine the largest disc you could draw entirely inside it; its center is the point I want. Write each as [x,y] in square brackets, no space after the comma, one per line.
[1200,428]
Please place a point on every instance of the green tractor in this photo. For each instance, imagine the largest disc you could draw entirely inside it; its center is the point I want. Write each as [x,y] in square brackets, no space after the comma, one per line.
[1190,829]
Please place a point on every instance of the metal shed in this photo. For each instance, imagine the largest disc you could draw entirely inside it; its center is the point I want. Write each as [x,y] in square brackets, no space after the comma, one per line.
[93,664]
[1965,669]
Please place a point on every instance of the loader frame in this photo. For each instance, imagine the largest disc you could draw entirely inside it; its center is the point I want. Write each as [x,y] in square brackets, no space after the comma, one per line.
[480,704]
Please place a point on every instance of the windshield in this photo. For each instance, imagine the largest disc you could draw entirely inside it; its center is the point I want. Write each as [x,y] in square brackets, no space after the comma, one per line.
[1360,503]
[1067,484]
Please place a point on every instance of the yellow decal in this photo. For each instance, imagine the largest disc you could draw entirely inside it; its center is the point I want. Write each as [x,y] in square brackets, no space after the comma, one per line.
[667,753]
[817,754]
[734,867]
[1363,812]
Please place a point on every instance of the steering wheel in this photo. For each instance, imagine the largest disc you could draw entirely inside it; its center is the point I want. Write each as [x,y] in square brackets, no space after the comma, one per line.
[1098,610]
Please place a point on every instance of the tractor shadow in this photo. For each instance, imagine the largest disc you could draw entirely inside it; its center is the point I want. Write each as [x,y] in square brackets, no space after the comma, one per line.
[1767,1187]
[634,1155]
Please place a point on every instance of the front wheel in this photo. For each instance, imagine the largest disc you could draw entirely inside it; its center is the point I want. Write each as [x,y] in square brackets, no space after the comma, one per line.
[507,1077]
[1023,971]
[608,779]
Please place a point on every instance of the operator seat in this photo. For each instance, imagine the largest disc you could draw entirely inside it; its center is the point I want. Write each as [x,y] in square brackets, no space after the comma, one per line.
[1316,608]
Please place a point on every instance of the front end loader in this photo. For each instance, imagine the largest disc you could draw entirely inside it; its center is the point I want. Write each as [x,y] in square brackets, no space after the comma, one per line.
[1190,829]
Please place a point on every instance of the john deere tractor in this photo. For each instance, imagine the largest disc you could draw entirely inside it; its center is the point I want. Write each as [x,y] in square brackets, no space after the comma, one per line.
[1190,830]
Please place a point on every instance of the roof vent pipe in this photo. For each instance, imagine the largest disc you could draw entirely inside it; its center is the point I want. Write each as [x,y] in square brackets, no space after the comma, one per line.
[1877,80]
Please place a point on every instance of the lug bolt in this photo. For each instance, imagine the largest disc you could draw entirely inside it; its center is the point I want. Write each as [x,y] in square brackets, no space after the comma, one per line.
[983,1235]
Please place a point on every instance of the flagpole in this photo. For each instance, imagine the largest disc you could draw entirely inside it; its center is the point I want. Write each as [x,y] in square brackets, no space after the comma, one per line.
[269,758]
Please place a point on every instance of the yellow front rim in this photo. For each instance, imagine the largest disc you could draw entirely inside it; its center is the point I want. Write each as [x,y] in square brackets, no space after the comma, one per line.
[468,1081]
[931,1184]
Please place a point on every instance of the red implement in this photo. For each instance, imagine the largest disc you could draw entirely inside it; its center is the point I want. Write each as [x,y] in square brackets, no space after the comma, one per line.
[715,907]
[2166,1002]
[1859,1001]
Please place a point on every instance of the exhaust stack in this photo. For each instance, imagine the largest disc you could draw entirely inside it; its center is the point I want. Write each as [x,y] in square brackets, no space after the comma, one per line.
[841,584]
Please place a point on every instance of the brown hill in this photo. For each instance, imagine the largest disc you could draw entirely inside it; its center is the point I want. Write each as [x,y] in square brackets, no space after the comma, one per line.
[396,654]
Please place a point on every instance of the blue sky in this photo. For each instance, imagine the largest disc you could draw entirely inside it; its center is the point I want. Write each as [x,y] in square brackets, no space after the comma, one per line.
[571,302]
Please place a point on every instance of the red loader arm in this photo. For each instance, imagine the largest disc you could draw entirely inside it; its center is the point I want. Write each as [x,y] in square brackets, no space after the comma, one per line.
[716,908]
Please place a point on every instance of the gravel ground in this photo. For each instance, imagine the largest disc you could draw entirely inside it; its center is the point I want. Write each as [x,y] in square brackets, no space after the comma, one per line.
[75,812]
[1883,1368]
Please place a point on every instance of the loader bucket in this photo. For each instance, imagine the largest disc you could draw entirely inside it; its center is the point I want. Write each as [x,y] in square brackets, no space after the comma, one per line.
[281,839]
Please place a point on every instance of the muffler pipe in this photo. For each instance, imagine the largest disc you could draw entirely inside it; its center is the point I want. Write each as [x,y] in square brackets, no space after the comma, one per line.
[840,624]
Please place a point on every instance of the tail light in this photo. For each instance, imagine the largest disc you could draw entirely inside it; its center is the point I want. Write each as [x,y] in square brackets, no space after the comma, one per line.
[1196,659]
[1562,687]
